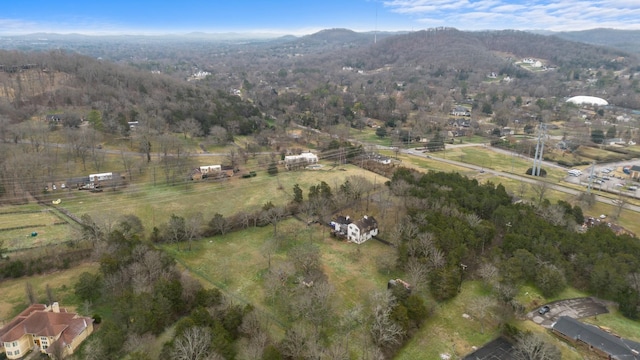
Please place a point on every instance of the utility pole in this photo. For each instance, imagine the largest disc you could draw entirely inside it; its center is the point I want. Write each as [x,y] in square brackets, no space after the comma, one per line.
[537,159]
[591,176]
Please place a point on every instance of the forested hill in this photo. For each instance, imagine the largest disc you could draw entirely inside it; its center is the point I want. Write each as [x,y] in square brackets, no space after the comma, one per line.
[466,50]
[34,83]
[626,40]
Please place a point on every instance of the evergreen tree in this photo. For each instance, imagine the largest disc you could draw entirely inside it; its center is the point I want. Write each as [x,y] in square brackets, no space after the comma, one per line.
[273,169]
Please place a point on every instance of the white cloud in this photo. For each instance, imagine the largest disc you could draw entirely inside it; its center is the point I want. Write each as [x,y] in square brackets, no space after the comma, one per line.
[508,14]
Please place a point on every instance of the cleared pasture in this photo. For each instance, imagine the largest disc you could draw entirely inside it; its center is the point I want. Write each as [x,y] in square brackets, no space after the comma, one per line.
[17,223]
[154,204]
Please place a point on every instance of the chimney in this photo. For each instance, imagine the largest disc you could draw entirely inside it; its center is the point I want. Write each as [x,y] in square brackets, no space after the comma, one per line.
[55,307]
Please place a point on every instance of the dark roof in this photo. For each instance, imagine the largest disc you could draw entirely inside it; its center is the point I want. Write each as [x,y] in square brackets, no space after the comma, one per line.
[617,348]
[367,223]
[498,349]
[343,220]
[635,168]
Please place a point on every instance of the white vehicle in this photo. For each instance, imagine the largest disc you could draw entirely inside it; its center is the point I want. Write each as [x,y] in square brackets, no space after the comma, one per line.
[633,188]
[574,172]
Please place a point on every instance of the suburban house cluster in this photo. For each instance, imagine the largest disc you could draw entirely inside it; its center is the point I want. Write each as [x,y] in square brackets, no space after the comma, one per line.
[48,329]
[357,231]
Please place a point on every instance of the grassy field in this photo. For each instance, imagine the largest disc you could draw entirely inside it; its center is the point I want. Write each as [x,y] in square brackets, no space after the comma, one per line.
[236,264]
[155,204]
[447,332]
[14,298]
[18,222]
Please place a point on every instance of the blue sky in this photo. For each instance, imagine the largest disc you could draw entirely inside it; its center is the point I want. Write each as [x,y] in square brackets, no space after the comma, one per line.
[300,17]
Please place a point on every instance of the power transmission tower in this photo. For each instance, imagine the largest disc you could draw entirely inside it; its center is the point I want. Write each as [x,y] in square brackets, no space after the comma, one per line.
[537,159]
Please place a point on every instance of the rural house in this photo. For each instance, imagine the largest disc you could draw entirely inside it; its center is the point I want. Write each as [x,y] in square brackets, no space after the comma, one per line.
[48,329]
[460,111]
[210,169]
[196,174]
[339,226]
[593,338]
[362,230]
[293,162]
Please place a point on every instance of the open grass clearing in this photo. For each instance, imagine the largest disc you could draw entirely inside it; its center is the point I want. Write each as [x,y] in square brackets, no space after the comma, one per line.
[617,324]
[14,296]
[155,204]
[448,332]
[18,222]
[236,264]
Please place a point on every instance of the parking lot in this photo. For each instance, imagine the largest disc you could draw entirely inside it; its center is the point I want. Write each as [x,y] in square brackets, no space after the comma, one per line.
[575,308]
[608,177]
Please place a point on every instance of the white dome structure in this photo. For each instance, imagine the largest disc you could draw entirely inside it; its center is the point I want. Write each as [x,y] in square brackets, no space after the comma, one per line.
[588,100]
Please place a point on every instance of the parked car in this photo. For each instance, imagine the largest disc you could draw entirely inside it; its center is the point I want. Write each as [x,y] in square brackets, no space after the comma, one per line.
[633,188]
[543,310]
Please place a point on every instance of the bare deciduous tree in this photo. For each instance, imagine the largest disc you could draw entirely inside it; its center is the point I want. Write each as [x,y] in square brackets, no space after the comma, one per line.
[190,127]
[193,344]
[534,347]
[488,273]
[314,303]
[300,342]
[305,257]
[384,331]
[540,189]
[273,216]
[50,296]
[417,272]
[193,227]
[481,308]
[31,296]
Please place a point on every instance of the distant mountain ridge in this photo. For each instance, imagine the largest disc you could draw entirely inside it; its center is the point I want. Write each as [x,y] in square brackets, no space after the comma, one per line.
[626,40]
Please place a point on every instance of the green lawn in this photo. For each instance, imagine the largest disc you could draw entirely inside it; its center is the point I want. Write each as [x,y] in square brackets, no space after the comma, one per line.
[448,332]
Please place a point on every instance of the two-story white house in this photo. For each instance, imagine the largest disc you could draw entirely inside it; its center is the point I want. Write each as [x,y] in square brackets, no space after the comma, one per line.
[362,230]
[293,162]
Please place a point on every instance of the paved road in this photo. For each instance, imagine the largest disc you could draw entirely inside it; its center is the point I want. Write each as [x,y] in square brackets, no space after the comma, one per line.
[412,152]
[525,179]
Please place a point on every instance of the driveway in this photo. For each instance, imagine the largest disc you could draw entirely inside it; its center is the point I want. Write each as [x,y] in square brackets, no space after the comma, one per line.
[575,308]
